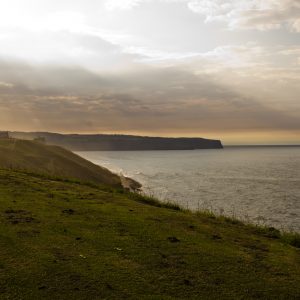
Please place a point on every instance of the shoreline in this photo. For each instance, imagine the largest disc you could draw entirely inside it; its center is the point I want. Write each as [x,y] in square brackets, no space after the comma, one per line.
[232,205]
[130,184]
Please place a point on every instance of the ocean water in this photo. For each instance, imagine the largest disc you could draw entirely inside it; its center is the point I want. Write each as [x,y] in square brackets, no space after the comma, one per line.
[257,184]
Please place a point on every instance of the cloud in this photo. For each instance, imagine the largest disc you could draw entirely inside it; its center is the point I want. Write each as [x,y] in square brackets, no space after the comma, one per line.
[6,85]
[65,48]
[295,24]
[147,54]
[257,14]
[157,68]
[122,4]
[162,99]
[247,14]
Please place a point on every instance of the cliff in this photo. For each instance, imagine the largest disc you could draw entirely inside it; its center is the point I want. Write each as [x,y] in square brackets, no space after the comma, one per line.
[101,142]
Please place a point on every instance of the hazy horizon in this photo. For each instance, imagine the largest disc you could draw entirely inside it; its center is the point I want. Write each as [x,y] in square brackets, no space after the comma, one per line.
[220,69]
[163,136]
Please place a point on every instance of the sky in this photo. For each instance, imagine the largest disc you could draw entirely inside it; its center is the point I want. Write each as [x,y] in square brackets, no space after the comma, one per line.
[220,69]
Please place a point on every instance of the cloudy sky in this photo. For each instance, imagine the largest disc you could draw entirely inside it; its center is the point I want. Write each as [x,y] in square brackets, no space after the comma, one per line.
[218,69]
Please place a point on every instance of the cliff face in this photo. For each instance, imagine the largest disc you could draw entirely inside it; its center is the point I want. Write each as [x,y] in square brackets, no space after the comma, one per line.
[100,142]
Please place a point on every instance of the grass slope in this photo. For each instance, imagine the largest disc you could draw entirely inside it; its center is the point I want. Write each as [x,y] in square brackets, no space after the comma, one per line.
[66,240]
[54,160]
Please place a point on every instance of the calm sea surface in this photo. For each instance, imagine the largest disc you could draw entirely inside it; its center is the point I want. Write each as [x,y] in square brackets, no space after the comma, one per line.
[261,184]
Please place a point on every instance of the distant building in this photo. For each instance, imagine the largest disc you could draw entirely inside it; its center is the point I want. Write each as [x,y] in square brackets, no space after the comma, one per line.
[4,135]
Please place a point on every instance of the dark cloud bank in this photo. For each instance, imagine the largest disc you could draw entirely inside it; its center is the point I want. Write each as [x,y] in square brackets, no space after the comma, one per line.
[158,100]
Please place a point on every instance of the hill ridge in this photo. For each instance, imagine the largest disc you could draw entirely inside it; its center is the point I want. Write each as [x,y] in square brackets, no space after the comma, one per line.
[118,142]
[54,160]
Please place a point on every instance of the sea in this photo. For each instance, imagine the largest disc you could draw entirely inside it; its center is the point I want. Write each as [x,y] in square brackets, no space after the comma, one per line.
[260,185]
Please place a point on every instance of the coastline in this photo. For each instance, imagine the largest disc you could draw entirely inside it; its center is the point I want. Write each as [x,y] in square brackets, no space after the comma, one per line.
[130,184]
[207,181]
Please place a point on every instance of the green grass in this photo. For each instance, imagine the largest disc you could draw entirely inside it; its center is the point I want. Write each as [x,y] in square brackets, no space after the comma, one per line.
[64,239]
[36,157]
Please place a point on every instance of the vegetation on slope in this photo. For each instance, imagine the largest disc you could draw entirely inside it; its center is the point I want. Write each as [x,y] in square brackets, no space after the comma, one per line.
[65,240]
[54,160]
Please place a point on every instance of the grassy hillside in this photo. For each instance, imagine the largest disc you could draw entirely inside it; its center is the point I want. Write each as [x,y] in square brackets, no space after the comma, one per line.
[66,240]
[54,160]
